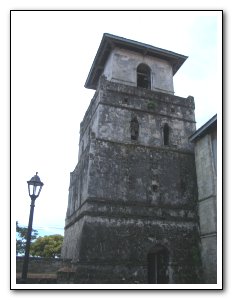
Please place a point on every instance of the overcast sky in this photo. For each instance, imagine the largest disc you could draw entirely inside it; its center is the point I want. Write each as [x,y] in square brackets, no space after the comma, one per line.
[51,55]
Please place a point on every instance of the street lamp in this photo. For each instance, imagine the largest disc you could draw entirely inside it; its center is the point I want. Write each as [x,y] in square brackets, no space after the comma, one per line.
[34,189]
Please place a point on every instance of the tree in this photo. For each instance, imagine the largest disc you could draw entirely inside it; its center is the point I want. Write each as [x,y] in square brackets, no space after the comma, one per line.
[21,238]
[47,246]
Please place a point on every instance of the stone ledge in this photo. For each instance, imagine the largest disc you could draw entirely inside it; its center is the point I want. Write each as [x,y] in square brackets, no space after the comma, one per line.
[118,216]
[145,93]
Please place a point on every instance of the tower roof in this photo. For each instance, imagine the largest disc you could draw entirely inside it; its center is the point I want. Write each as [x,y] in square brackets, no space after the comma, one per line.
[109,42]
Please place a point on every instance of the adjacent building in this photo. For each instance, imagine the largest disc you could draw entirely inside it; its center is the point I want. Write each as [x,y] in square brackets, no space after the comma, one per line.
[205,141]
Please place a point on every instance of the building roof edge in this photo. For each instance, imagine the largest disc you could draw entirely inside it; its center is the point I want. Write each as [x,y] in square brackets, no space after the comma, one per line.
[204,129]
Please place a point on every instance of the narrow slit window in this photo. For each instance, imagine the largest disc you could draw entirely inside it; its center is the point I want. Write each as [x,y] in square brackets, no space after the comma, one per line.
[134,128]
[143,76]
[166,135]
[158,272]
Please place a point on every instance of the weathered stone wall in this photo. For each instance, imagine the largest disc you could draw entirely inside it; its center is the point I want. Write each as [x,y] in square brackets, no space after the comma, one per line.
[122,65]
[116,249]
[136,99]
[78,184]
[149,175]
[129,196]
[114,105]
[39,265]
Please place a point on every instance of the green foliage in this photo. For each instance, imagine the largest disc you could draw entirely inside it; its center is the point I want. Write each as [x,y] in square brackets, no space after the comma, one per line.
[47,246]
[151,105]
[21,238]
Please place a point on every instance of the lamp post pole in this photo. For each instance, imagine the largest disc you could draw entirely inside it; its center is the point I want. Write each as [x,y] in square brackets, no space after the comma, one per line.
[34,188]
[28,242]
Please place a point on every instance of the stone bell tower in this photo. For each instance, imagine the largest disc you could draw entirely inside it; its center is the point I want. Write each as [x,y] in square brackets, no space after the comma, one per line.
[131,215]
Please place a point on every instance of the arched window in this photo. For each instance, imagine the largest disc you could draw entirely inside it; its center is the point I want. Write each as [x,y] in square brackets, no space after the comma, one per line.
[143,76]
[166,135]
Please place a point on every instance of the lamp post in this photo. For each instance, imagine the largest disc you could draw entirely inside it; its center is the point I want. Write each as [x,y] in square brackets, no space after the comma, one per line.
[34,189]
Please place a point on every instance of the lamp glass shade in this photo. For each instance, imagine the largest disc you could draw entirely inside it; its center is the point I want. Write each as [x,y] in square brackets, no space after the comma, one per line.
[34,186]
